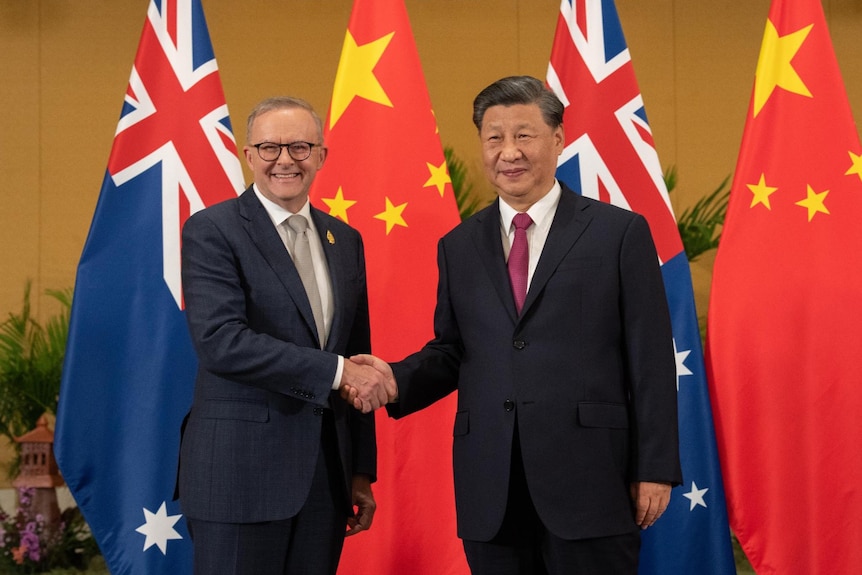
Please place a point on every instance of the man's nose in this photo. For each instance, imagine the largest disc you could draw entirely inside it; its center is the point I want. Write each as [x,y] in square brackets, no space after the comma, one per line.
[510,150]
[284,156]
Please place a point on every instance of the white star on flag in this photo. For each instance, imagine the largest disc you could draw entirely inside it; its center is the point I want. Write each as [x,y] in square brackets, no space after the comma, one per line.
[696,496]
[159,528]
[681,369]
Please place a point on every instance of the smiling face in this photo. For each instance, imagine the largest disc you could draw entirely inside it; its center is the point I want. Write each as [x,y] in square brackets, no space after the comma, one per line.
[285,181]
[519,153]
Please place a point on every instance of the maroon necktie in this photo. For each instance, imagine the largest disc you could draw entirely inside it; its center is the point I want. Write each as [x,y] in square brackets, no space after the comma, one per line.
[519,260]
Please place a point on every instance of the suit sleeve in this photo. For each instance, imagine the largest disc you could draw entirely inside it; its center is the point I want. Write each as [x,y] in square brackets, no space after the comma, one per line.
[431,373]
[651,365]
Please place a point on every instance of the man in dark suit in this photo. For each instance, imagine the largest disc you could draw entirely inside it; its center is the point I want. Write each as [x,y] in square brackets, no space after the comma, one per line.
[565,439]
[272,461]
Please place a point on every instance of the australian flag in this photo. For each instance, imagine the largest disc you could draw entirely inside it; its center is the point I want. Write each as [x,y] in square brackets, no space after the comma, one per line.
[610,156]
[129,371]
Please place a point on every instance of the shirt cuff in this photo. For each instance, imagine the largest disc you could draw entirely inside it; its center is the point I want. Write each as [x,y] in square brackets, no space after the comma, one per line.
[338,373]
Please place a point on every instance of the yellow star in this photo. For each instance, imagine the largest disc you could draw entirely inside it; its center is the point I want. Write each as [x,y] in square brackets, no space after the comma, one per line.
[392,216]
[774,68]
[355,75]
[338,205]
[856,167]
[814,203]
[761,193]
[439,177]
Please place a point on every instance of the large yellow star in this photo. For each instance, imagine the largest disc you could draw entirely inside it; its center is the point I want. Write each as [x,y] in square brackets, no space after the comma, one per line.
[355,75]
[392,216]
[338,205]
[439,177]
[814,202]
[856,166]
[774,68]
[761,192]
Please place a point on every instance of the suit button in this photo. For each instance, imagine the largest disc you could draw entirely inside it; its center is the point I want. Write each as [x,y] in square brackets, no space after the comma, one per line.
[519,344]
[508,405]
[318,411]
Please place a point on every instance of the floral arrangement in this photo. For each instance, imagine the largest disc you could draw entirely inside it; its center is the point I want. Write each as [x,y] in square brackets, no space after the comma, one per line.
[28,544]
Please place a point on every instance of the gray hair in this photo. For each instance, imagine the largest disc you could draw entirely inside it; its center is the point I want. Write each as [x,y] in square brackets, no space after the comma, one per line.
[282,103]
[514,90]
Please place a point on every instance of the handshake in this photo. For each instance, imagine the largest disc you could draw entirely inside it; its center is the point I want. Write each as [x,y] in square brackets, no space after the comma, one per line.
[368,383]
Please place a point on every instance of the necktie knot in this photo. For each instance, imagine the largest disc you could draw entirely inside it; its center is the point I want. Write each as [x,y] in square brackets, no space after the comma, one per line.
[298,224]
[522,221]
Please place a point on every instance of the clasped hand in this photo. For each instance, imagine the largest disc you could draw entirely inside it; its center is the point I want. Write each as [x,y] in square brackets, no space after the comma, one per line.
[367,383]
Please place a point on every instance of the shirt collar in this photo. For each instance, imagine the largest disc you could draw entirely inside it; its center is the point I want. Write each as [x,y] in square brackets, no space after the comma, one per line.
[278,214]
[538,211]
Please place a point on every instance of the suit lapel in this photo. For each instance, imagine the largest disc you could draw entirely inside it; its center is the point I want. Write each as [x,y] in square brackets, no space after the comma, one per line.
[570,221]
[489,242]
[263,234]
[336,275]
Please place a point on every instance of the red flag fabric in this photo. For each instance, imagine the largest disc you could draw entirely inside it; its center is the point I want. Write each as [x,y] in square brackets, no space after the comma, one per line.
[386,176]
[784,352]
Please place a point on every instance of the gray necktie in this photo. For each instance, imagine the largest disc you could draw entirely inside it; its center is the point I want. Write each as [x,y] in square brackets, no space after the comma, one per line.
[305,267]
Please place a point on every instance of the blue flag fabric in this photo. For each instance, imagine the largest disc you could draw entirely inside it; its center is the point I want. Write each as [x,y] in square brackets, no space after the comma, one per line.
[129,371]
[610,156]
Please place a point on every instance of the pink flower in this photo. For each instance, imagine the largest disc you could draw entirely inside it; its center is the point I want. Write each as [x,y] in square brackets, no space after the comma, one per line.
[30,541]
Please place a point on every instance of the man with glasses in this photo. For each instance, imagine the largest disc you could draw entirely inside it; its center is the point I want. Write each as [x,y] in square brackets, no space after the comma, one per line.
[272,461]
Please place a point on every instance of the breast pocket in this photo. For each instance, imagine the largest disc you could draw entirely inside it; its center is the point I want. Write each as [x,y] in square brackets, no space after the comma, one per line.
[580,263]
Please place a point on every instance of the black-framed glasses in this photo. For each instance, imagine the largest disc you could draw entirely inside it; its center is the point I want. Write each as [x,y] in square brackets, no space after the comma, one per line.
[270,151]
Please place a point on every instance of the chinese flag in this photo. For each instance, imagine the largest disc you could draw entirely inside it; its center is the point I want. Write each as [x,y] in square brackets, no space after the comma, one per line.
[386,176]
[784,350]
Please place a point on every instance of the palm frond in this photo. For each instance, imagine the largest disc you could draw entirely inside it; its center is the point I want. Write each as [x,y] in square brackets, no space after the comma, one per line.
[699,225]
[31,362]
[468,203]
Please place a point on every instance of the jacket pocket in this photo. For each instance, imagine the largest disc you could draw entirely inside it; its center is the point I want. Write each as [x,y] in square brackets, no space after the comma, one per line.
[243,410]
[462,423]
[595,414]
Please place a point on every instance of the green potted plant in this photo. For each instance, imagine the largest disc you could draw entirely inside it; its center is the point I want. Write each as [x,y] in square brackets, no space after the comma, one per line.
[31,361]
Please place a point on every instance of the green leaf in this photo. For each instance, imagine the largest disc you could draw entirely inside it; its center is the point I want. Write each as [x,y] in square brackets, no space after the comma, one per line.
[699,226]
[31,363]
[468,203]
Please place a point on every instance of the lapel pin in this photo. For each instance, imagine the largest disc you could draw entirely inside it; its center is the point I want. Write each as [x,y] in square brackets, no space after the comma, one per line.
[330,237]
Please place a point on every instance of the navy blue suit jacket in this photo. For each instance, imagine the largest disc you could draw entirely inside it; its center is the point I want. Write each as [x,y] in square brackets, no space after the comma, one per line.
[251,440]
[587,369]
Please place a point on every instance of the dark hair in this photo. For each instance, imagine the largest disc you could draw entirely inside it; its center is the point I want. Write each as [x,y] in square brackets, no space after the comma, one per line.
[519,90]
[281,103]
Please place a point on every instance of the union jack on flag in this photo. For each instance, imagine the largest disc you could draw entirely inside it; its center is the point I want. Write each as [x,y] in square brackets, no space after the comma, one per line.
[129,370]
[610,156]
[174,113]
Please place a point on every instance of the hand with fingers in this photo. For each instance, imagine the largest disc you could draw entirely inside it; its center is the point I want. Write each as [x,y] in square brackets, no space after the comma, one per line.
[368,383]
[364,504]
[650,501]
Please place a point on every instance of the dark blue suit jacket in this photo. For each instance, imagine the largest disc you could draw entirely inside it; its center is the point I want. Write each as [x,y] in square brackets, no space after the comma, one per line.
[588,370]
[251,440]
